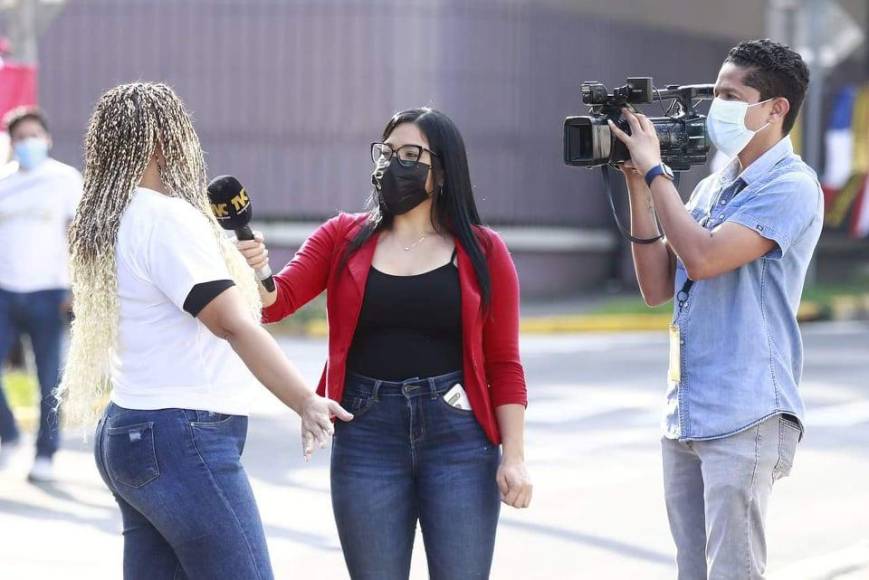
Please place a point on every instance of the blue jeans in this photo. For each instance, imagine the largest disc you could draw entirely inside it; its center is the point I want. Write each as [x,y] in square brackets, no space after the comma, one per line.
[38,315]
[408,456]
[187,507]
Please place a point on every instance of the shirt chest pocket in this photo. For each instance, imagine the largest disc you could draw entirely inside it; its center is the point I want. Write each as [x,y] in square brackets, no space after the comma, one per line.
[697,213]
[714,218]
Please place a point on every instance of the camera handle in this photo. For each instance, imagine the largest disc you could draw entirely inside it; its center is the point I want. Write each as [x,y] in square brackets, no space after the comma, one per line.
[609,192]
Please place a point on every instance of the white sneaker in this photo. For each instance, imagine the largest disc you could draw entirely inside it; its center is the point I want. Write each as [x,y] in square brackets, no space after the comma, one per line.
[42,471]
[7,451]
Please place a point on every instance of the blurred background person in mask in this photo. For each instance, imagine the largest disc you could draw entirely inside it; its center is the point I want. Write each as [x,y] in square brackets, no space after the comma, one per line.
[38,196]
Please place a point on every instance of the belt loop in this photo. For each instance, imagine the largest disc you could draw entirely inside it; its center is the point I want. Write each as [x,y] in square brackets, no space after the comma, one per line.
[433,388]
[376,391]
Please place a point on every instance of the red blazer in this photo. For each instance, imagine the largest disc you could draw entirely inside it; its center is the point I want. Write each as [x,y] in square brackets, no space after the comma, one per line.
[493,373]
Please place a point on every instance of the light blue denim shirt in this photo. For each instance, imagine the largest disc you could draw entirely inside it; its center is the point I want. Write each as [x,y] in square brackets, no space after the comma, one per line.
[741,350]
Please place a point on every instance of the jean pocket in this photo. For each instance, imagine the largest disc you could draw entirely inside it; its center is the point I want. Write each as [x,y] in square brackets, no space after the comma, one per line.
[211,419]
[131,458]
[788,438]
[219,438]
[460,412]
[358,405]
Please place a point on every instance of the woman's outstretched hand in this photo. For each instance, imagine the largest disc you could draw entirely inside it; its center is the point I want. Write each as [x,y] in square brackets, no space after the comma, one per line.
[317,413]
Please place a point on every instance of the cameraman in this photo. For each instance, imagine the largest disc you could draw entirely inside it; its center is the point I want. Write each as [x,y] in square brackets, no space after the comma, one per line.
[736,256]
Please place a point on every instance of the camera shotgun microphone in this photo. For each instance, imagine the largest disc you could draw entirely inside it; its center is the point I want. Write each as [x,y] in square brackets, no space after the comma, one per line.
[231,206]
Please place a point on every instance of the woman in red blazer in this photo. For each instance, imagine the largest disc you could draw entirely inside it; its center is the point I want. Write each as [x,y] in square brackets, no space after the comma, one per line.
[423,312]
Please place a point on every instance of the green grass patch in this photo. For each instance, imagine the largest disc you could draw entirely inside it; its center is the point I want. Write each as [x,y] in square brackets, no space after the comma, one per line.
[631,305]
[298,322]
[823,295]
[21,388]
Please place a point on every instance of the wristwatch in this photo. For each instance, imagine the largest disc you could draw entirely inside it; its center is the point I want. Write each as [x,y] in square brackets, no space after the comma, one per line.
[659,169]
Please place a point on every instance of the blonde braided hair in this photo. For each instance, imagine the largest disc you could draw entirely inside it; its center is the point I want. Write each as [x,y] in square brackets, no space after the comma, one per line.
[131,123]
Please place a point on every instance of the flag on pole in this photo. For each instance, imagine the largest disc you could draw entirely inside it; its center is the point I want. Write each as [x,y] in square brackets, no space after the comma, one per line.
[860,166]
[846,175]
[839,140]
[17,86]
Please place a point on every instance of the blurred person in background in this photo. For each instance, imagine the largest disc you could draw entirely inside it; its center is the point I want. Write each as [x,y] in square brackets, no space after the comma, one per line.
[736,256]
[38,196]
[423,312]
[167,327]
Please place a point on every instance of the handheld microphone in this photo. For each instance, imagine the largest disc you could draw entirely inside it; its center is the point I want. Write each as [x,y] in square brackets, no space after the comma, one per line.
[231,206]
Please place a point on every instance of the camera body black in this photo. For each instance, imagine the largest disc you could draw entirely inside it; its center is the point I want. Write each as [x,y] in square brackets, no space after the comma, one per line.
[588,141]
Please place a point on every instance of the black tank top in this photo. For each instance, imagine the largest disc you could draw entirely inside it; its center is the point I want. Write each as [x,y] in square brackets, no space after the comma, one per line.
[409,326]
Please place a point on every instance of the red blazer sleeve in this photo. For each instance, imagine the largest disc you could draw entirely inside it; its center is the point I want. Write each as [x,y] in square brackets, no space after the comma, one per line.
[307,274]
[504,370]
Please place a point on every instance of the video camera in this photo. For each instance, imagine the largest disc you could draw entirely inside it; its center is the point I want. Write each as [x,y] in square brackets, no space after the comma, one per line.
[588,141]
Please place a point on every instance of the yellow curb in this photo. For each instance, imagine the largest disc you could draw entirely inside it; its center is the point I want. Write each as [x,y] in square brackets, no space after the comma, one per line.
[809,311]
[25,407]
[550,324]
[594,323]
[27,418]
[317,328]
[849,306]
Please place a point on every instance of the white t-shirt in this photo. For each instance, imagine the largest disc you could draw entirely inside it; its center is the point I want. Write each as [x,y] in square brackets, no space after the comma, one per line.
[35,209]
[165,357]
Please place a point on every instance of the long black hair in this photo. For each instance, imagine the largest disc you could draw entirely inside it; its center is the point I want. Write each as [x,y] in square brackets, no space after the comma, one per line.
[453,207]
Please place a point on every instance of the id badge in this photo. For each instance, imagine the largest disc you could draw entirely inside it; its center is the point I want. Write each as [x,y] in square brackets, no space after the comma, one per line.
[675,373]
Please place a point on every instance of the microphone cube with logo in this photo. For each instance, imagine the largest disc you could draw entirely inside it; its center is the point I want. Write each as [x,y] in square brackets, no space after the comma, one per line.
[232,208]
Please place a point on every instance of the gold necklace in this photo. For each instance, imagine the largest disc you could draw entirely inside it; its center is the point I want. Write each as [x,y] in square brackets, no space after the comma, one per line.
[415,244]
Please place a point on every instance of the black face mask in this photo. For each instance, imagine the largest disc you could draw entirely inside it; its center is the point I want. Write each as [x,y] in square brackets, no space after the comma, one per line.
[400,187]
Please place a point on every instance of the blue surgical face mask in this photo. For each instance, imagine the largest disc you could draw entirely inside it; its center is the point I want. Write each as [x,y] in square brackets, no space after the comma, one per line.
[725,125]
[31,152]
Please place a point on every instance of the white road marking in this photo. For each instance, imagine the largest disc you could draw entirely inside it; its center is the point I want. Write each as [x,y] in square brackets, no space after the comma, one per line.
[853,560]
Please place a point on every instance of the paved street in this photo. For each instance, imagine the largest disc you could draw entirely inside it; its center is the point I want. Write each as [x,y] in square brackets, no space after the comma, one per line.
[592,450]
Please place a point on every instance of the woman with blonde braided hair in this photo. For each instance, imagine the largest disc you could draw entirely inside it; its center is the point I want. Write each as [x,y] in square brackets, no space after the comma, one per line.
[161,302]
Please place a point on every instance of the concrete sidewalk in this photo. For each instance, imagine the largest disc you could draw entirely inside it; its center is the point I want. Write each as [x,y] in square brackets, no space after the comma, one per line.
[593,453]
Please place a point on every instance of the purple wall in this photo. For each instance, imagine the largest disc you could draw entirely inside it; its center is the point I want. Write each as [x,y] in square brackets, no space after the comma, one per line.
[287,95]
